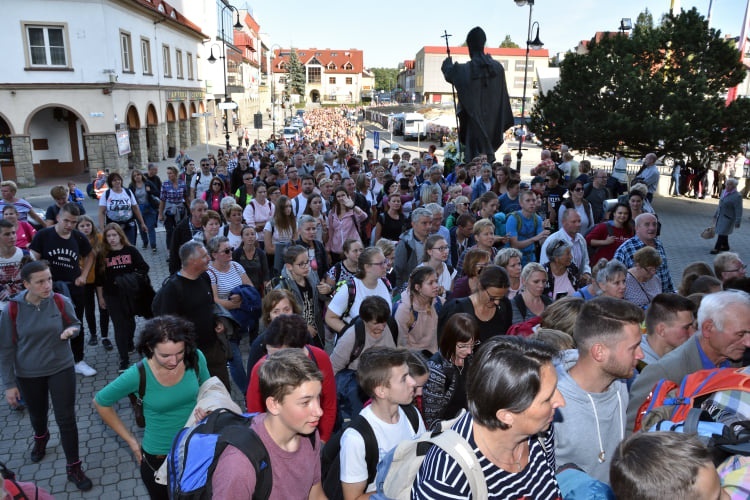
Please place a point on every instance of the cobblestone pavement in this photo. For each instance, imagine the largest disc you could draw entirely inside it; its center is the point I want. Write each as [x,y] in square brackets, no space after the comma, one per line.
[107,459]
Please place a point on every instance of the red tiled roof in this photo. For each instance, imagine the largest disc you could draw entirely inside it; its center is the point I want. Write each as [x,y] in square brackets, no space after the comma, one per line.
[409,64]
[163,8]
[492,51]
[242,39]
[325,57]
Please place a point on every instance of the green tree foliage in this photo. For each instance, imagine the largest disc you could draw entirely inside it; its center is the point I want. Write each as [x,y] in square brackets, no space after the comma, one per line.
[385,78]
[507,43]
[661,89]
[645,19]
[295,83]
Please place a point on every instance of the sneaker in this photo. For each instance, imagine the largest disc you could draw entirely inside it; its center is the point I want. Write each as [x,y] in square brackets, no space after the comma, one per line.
[107,344]
[153,250]
[82,368]
[77,477]
[123,366]
[93,340]
[40,447]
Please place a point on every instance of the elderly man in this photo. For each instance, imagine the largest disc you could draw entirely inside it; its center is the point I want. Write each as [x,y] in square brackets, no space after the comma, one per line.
[723,336]
[650,175]
[728,265]
[545,165]
[189,228]
[188,294]
[410,247]
[570,232]
[645,235]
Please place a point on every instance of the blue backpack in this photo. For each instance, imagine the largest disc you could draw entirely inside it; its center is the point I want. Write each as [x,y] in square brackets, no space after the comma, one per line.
[196,450]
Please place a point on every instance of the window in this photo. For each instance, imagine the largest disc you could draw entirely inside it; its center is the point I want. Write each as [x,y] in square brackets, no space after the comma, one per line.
[518,82]
[348,66]
[190,66]
[146,56]
[332,80]
[126,51]
[349,80]
[504,63]
[167,61]
[178,62]
[46,46]
[519,65]
[313,75]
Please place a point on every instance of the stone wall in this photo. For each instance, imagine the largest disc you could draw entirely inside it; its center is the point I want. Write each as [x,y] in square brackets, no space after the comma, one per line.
[195,131]
[153,143]
[173,138]
[138,148]
[185,134]
[22,159]
[102,153]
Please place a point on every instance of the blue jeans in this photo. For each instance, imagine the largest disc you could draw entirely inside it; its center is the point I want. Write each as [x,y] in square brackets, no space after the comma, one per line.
[237,368]
[150,216]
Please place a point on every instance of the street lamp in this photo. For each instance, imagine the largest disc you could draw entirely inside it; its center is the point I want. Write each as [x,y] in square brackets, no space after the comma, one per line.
[212,59]
[535,44]
[625,24]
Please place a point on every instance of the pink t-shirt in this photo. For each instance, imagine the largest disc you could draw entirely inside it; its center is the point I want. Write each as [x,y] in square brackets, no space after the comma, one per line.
[294,473]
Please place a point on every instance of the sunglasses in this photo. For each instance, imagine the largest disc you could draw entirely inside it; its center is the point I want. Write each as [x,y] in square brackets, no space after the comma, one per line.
[226,251]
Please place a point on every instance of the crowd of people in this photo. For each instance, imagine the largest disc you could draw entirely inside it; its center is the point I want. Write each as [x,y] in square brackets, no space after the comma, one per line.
[537,314]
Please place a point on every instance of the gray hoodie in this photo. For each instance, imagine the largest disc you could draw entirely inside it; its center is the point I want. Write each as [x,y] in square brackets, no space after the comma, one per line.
[576,434]
[38,351]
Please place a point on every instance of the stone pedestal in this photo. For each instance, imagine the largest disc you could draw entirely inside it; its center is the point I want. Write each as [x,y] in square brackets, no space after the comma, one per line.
[102,154]
[21,145]
[138,148]
[185,134]
[173,136]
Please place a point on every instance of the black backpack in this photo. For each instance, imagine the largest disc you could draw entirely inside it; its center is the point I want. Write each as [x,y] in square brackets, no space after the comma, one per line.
[330,458]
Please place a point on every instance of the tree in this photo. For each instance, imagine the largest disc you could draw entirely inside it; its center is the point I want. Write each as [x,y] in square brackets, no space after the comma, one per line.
[660,90]
[507,43]
[645,19]
[385,78]
[295,83]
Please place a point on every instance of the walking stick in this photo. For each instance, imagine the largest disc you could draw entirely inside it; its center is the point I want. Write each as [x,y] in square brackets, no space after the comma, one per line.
[455,105]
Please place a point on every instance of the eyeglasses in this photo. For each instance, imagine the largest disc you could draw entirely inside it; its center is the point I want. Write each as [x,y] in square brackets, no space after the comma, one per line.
[381,264]
[204,165]
[495,300]
[440,249]
[464,204]
[741,268]
[468,345]
[578,190]
[303,264]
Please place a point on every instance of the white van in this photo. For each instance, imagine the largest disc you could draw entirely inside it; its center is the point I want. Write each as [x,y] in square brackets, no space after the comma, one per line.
[414,126]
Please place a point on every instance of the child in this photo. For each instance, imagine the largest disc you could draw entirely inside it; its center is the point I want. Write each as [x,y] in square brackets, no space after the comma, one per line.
[384,375]
[290,385]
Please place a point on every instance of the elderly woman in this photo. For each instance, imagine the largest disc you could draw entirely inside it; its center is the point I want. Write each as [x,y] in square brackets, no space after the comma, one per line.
[562,274]
[444,394]
[510,260]
[461,204]
[531,302]
[728,215]
[608,279]
[512,396]
[642,283]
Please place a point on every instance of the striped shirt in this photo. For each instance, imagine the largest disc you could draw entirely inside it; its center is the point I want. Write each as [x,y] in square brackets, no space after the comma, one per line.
[440,477]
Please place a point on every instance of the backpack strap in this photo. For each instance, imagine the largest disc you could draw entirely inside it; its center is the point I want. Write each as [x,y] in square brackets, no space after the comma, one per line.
[141,379]
[521,305]
[359,340]
[413,415]
[13,313]
[459,450]
[249,443]
[372,454]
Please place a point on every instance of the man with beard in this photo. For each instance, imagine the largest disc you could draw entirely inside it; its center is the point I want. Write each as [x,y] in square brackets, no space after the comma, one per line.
[299,202]
[723,336]
[592,423]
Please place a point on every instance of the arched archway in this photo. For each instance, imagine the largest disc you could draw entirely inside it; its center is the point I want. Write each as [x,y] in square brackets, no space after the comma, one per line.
[152,133]
[184,138]
[6,151]
[137,136]
[172,131]
[315,96]
[56,141]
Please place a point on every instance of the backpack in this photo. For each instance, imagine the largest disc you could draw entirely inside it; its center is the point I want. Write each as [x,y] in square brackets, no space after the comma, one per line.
[352,295]
[670,401]
[13,313]
[519,222]
[438,304]
[359,336]
[196,450]
[525,328]
[330,458]
[399,467]
[12,487]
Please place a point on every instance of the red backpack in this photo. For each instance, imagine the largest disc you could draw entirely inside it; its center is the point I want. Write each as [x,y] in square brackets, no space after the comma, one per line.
[670,401]
[13,312]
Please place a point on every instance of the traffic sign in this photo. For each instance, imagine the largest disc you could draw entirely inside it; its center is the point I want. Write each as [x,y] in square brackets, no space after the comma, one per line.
[228,105]
[376,140]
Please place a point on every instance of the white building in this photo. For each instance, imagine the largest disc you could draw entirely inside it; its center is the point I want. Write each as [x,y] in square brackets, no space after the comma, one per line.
[96,84]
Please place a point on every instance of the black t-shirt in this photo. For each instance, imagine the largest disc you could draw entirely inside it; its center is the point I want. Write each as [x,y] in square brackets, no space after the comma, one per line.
[392,228]
[62,254]
[192,300]
[497,325]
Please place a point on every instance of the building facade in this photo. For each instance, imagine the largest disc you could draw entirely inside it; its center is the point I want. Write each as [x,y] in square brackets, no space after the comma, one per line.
[430,86]
[96,85]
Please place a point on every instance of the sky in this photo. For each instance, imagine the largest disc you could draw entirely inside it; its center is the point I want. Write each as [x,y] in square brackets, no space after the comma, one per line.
[390,32]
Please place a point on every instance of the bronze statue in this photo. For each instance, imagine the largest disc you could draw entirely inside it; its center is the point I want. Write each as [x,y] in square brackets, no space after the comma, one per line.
[484,111]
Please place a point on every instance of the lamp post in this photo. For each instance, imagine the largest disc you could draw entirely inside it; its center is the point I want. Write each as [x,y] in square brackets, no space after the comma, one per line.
[626,24]
[212,59]
[536,44]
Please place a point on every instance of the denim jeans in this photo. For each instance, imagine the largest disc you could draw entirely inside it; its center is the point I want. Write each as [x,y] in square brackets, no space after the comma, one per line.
[237,367]
[149,218]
